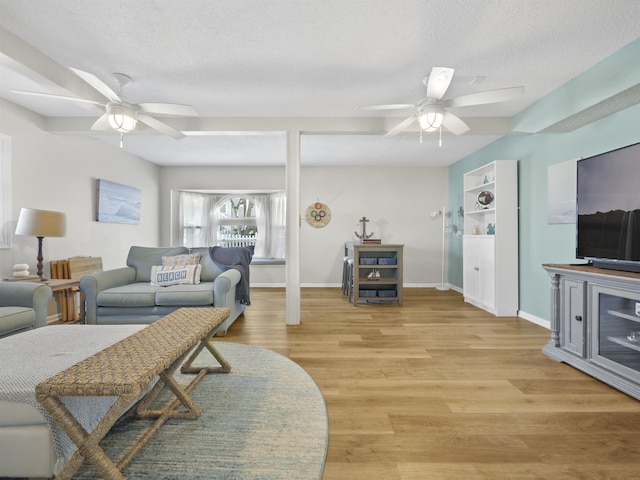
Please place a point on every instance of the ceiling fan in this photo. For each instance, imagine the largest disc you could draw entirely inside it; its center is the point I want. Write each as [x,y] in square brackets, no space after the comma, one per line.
[123,116]
[432,112]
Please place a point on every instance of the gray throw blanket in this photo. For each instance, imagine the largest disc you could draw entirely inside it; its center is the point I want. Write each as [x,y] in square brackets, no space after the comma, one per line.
[238,258]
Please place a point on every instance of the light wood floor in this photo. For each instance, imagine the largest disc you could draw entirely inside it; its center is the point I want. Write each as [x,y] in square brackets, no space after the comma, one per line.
[438,389]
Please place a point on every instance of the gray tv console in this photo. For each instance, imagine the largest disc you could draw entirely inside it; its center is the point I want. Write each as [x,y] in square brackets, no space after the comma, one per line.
[595,323]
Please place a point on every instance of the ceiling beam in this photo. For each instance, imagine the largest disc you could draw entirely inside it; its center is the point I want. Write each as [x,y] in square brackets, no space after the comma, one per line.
[209,126]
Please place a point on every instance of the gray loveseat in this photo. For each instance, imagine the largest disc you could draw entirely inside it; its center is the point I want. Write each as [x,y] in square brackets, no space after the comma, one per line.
[126,295]
[23,306]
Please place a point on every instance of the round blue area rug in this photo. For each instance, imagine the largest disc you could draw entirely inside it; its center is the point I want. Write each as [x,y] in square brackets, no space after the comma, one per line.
[265,420]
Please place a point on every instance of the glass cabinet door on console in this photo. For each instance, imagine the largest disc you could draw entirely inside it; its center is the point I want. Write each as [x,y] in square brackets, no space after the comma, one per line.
[616,330]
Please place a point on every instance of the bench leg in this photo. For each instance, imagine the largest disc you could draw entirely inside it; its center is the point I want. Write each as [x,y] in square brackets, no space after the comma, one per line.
[88,444]
[224,367]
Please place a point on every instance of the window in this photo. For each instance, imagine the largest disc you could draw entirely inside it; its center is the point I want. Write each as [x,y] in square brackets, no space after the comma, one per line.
[236,220]
[254,220]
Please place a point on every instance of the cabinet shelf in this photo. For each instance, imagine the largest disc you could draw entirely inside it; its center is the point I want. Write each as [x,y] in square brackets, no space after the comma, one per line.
[626,314]
[481,212]
[377,282]
[479,188]
[625,343]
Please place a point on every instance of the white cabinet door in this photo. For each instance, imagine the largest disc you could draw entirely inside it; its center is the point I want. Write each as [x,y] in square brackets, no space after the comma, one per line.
[479,274]
[487,272]
[470,269]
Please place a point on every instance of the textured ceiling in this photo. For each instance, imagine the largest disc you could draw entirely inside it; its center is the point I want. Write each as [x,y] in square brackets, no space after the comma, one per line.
[269,66]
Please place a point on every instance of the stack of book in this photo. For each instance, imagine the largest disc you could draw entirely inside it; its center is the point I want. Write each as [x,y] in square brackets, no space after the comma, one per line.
[372,241]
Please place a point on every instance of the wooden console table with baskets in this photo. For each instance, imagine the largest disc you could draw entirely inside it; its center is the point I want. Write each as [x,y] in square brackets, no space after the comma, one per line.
[125,370]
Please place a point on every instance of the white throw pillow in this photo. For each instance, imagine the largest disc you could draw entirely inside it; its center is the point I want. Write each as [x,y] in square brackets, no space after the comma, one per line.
[163,276]
[181,260]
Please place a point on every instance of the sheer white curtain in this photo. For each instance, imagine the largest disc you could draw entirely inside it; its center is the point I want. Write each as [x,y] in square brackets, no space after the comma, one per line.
[270,219]
[197,222]
[263,214]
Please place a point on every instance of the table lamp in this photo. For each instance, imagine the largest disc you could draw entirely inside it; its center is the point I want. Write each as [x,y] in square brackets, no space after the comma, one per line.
[40,224]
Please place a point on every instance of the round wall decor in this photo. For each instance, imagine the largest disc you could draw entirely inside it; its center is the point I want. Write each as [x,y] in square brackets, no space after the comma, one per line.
[318,215]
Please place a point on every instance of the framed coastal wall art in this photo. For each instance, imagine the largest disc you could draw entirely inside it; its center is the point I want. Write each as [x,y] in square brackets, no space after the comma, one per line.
[5,191]
[117,203]
[561,192]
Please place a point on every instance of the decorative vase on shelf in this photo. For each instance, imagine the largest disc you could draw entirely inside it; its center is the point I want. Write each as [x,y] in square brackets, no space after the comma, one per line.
[491,229]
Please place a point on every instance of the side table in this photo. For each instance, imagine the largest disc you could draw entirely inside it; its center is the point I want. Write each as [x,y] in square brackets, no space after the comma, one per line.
[67,289]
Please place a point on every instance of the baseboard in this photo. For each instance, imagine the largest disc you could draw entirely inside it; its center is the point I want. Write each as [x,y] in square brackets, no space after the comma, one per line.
[533,319]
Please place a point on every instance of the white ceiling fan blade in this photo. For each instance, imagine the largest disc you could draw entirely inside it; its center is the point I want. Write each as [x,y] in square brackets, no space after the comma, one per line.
[96,83]
[61,97]
[102,124]
[482,98]
[454,124]
[392,106]
[160,126]
[439,81]
[171,109]
[401,126]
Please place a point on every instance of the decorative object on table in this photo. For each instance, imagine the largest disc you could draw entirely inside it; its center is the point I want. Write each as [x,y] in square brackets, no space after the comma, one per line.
[484,200]
[374,274]
[435,214]
[491,229]
[40,224]
[318,215]
[21,270]
[364,235]
[117,203]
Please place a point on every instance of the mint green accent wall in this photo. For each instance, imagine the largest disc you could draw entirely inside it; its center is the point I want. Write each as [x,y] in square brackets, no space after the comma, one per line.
[540,242]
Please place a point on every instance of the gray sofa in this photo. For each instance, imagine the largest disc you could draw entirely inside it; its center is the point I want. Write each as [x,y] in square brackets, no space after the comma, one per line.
[23,306]
[126,296]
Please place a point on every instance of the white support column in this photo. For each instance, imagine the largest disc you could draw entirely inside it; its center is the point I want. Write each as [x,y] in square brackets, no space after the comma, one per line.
[292,268]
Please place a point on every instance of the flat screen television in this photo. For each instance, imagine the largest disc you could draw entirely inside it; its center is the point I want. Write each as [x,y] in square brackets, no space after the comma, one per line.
[608,209]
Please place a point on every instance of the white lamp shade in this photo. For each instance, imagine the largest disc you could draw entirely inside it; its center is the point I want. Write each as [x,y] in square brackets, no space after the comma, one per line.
[41,223]
[431,118]
[122,118]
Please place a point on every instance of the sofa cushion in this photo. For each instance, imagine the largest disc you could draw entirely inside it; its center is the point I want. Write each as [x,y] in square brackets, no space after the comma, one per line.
[186,295]
[164,276]
[181,260]
[14,319]
[143,258]
[209,269]
[132,295]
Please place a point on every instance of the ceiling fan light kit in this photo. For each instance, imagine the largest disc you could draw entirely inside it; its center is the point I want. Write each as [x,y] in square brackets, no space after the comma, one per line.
[122,118]
[430,117]
[433,112]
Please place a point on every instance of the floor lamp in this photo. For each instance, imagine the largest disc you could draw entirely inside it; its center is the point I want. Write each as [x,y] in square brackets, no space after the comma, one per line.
[40,224]
[434,214]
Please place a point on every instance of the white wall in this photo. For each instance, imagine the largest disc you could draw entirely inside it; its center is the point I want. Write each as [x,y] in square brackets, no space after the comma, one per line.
[56,172]
[396,200]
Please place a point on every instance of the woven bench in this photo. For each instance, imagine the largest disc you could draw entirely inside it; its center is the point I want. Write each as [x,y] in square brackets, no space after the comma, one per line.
[124,370]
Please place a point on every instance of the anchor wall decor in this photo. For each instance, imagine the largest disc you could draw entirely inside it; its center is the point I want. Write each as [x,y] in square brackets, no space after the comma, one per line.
[364,221]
